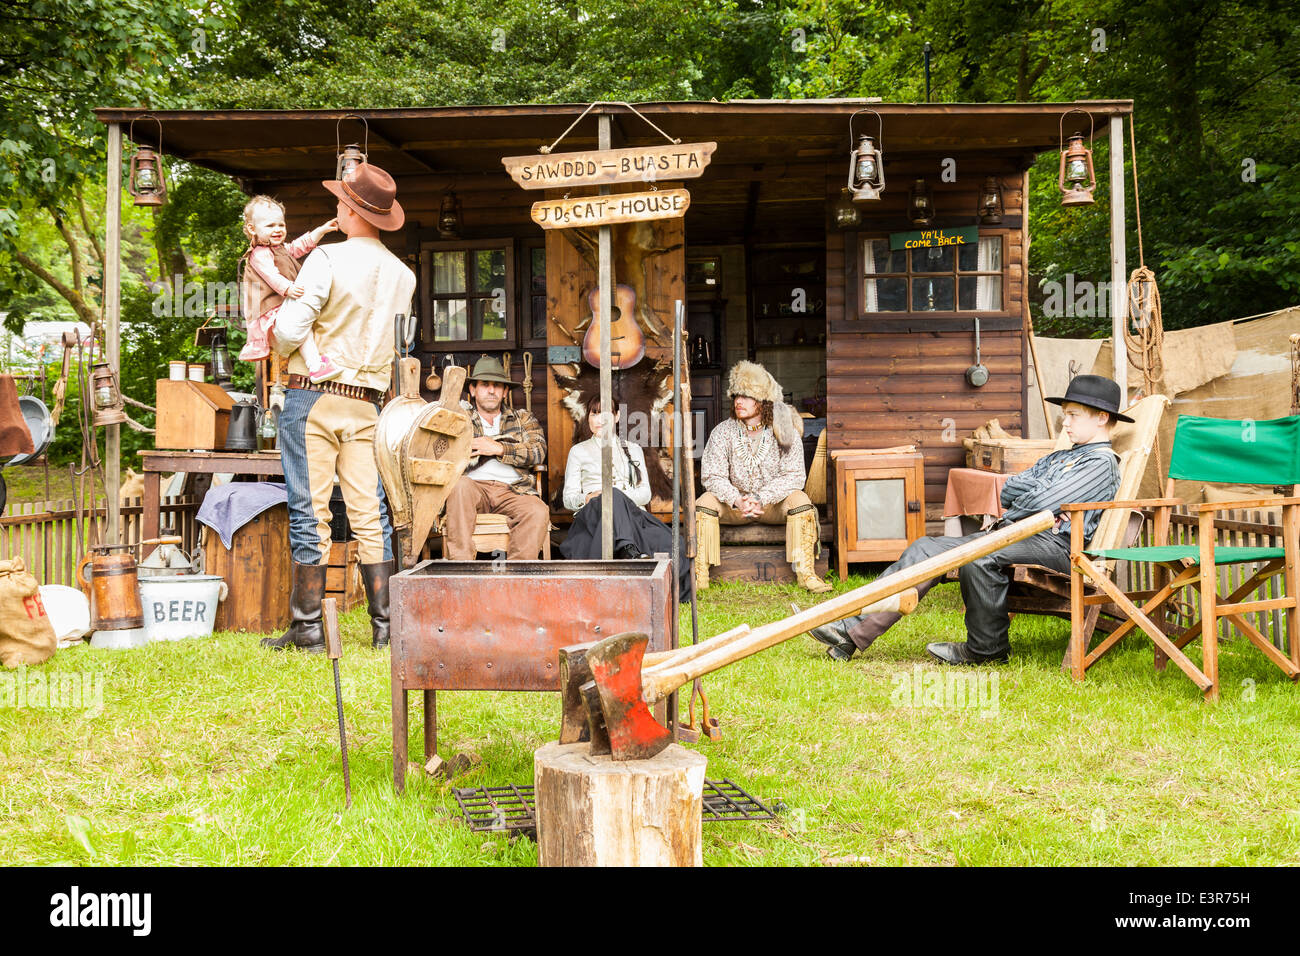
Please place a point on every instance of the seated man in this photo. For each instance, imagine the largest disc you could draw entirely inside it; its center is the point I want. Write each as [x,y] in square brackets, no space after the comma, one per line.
[753,471]
[508,444]
[1087,471]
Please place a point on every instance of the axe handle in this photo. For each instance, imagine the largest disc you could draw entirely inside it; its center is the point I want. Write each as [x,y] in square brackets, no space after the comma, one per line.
[681,655]
[663,680]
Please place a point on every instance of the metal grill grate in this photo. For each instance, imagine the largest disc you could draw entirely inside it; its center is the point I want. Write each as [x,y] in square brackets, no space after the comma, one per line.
[509,809]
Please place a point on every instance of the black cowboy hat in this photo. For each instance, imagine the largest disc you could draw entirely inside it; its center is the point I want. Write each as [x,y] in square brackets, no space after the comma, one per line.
[1095,391]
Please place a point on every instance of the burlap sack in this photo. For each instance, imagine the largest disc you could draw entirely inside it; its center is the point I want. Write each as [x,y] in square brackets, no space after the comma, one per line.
[26,634]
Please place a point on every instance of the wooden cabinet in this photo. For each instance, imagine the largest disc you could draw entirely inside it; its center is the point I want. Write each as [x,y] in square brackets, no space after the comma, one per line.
[879,504]
[343,576]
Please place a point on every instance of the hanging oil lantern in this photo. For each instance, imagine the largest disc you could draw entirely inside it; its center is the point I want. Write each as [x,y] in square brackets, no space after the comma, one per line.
[222,367]
[990,209]
[920,207]
[351,156]
[148,182]
[866,164]
[449,216]
[847,215]
[348,160]
[108,405]
[1077,180]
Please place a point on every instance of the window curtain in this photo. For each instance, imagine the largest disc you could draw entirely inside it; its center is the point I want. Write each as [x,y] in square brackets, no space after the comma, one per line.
[869,301]
[988,289]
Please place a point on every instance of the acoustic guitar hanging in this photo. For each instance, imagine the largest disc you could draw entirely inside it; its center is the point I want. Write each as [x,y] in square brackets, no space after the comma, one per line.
[626,340]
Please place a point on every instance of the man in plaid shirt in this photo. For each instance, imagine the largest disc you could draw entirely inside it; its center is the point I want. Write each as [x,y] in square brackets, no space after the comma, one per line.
[508,445]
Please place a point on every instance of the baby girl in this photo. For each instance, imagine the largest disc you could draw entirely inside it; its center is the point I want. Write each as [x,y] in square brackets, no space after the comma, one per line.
[271,268]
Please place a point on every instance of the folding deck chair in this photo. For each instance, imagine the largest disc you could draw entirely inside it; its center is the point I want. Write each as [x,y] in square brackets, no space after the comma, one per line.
[1214,450]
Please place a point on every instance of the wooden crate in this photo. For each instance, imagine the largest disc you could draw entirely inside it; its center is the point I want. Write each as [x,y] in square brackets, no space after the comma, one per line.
[343,576]
[257,569]
[1007,456]
[191,415]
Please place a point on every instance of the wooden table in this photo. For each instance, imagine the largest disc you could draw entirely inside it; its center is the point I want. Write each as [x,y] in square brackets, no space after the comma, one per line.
[155,462]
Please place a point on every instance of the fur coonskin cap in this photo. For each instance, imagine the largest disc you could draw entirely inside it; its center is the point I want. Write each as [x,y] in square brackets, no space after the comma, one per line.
[753,381]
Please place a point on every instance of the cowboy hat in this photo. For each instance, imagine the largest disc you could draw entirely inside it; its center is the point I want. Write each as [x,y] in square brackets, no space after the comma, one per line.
[489,369]
[1095,391]
[370,193]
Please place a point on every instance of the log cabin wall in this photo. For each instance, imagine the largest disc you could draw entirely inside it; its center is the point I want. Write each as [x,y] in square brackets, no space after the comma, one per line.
[899,377]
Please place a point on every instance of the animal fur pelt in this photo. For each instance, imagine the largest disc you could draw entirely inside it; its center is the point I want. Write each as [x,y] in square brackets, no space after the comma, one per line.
[754,381]
[641,394]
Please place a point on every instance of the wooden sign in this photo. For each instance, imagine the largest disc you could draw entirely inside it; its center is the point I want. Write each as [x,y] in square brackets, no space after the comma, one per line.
[934,238]
[607,210]
[636,164]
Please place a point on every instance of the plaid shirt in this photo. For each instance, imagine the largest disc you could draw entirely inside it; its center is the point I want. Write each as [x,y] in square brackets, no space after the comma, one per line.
[525,445]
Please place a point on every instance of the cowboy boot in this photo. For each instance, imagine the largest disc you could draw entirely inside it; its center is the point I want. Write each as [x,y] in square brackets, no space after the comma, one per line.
[375,577]
[707,546]
[307,632]
[802,545]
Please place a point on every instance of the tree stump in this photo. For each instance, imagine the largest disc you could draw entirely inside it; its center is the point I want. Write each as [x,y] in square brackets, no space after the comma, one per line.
[596,811]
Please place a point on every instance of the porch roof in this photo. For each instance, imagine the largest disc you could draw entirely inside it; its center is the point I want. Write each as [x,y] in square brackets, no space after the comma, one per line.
[268,146]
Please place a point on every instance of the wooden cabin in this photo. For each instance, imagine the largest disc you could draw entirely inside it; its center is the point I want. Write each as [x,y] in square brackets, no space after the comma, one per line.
[871,338]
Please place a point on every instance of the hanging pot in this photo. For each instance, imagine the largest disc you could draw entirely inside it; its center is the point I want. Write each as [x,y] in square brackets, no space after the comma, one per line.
[39,423]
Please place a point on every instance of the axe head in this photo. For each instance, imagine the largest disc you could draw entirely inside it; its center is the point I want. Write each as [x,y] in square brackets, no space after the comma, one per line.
[574,672]
[615,686]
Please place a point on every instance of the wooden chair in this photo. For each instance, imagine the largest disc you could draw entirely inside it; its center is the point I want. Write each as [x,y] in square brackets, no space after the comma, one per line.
[492,532]
[1215,450]
[1039,590]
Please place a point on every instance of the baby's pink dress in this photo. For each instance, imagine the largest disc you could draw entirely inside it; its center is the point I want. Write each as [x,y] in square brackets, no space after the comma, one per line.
[262,260]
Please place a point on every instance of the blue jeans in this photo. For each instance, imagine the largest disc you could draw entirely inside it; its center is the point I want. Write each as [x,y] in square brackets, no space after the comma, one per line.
[304,534]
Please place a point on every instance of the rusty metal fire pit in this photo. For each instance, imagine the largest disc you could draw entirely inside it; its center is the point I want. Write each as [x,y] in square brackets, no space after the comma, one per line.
[478,625]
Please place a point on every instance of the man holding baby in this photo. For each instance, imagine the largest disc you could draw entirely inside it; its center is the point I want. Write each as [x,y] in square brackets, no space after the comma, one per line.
[350,292]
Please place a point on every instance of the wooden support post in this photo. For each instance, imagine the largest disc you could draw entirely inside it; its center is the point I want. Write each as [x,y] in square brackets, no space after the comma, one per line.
[597,811]
[112,306]
[1118,258]
[606,283]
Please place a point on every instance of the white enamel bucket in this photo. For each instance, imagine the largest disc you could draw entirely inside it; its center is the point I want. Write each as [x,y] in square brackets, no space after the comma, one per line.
[180,606]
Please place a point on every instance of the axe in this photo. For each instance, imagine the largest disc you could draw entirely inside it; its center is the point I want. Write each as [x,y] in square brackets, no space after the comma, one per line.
[613,683]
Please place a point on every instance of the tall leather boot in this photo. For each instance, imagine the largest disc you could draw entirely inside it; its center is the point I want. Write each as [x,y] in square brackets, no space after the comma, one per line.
[307,632]
[375,577]
[802,545]
[708,545]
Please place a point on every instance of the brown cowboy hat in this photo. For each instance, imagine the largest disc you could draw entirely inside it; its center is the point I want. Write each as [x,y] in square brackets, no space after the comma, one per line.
[371,194]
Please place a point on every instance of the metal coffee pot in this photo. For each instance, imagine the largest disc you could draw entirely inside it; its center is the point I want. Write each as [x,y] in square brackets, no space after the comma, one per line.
[241,434]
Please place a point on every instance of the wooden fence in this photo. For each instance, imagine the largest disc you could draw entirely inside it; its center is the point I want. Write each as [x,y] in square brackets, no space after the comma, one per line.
[1232,529]
[51,537]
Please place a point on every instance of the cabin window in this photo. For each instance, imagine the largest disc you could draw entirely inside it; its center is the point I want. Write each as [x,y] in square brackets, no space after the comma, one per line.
[949,279]
[469,294]
[535,295]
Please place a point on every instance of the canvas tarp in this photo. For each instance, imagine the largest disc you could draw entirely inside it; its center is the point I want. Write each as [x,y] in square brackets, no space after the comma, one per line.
[1238,369]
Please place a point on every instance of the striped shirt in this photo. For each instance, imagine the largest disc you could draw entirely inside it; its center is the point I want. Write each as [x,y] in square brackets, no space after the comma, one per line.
[1082,473]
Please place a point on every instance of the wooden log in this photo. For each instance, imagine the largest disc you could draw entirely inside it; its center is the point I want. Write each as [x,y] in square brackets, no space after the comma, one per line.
[597,811]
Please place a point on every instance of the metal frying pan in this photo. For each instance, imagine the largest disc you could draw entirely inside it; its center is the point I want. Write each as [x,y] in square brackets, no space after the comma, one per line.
[39,423]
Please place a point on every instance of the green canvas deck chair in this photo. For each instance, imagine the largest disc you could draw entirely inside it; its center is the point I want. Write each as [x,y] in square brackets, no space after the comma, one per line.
[1205,450]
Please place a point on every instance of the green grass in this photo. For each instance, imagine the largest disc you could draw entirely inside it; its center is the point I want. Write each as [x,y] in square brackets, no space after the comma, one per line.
[216,752]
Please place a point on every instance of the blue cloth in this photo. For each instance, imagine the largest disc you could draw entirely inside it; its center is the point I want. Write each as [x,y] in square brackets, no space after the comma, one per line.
[227,508]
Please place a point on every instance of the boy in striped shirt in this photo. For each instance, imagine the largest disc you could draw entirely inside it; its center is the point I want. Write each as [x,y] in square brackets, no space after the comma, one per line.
[1087,471]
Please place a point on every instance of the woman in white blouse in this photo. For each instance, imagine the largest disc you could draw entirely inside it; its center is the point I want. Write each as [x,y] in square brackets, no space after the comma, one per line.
[637,533]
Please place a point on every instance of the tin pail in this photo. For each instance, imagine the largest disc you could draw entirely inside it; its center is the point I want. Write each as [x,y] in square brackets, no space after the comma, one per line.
[180,606]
